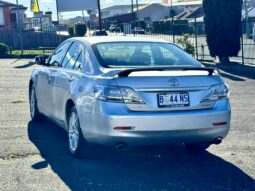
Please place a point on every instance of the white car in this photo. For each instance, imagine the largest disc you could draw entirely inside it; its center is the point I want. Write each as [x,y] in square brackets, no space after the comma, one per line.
[128,91]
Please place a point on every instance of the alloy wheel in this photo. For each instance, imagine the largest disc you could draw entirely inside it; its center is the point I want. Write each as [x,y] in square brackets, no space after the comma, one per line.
[73,132]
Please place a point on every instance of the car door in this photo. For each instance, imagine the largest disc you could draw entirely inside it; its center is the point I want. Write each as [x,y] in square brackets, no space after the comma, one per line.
[63,77]
[45,80]
[43,90]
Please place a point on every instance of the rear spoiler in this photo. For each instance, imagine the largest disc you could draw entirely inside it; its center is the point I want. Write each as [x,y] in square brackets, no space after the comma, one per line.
[127,72]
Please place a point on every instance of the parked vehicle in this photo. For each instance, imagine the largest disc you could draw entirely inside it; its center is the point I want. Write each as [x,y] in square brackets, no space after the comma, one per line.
[114,28]
[100,33]
[138,30]
[140,23]
[129,91]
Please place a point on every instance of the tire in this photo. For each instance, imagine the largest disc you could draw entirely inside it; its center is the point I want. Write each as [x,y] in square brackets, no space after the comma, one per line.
[76,141]
[197,147]
[34,112]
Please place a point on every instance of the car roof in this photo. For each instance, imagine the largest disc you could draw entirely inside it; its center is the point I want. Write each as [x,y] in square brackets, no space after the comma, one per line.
[101,39]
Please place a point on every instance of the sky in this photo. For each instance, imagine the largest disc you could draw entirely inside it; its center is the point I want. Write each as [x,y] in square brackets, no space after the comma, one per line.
[50,5]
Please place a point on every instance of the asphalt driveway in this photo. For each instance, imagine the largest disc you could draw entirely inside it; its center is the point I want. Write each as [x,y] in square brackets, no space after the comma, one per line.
[34,156]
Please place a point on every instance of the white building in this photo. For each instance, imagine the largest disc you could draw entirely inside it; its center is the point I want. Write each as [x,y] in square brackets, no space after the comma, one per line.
[150,12]
[11,14]
[40,20]
[117,10]
[153,12]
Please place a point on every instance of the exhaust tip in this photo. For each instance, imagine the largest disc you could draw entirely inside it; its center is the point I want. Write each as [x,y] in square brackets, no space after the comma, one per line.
[217,141]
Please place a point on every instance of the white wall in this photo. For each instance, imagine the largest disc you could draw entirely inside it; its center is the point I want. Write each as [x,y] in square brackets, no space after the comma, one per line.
[155,12]
[114,12]
[1,16]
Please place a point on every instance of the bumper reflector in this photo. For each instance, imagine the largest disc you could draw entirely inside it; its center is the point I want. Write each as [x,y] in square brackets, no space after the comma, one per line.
[220,123]
[123,128]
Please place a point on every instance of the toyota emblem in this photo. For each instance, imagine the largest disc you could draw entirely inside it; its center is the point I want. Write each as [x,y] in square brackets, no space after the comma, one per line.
[173,82]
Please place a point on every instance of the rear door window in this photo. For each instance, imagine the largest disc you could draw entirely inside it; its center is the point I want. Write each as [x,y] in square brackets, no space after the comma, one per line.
[59,54]
[79,61]
[72,56]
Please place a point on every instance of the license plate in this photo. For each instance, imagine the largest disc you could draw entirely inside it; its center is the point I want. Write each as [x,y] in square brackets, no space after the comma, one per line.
[180,99]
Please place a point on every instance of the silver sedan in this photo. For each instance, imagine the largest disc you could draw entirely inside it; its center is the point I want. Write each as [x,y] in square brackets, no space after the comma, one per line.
[128,91]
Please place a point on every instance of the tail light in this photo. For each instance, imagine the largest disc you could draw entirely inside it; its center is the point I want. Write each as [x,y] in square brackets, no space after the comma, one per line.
[117,94]
[217,92]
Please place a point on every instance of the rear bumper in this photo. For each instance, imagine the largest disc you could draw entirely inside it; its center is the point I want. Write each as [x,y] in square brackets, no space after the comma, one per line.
[135,138]
[154,128]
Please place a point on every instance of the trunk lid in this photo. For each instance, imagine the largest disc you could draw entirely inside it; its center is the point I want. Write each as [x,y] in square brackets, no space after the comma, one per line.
[152,84]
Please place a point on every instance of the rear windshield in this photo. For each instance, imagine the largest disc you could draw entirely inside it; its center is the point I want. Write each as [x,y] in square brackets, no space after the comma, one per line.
[141,54]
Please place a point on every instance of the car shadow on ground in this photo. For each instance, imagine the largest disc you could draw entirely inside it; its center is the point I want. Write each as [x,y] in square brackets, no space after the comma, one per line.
[235,71]
[25,65]
[140,169]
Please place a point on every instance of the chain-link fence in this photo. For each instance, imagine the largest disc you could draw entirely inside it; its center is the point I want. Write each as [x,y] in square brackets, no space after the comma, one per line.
[30,39]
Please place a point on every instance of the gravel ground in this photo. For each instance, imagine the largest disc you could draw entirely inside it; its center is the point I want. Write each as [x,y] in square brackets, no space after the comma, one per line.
[34,156]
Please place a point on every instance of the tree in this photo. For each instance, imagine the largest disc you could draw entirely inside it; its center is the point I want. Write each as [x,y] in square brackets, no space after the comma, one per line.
[223,27]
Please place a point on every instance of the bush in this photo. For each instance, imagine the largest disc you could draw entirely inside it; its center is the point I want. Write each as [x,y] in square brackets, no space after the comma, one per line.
[71,30]
[80,29]
[3,49]
[185,43]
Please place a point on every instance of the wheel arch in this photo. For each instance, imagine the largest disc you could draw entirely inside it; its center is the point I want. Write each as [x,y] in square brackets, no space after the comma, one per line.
[30,86]
[69,104]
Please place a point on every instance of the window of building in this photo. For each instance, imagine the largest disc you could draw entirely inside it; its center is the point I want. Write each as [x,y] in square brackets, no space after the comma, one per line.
[1,16]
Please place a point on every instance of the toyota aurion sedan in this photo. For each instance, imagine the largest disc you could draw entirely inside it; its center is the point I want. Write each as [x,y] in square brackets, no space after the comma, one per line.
[128,91]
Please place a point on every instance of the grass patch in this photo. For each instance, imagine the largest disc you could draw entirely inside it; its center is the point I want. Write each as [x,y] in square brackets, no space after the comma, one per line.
[29,53]
[17,53]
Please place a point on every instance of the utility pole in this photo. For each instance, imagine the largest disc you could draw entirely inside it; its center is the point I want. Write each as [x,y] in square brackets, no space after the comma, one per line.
[132,15]
[99,15]
[18,26]
[132,6]
[83,17]
[57,12]
[137,5]
[172,18]
[17,13]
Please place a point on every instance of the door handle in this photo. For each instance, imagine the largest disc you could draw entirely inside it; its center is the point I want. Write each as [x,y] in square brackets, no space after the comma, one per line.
[71,78]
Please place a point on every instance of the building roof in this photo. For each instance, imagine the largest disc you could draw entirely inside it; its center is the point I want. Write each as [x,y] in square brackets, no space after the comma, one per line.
[188,3]
[120,7]
[14,6]
[251,12]
[4,3]
[20,7]
[141,7]
[191,13]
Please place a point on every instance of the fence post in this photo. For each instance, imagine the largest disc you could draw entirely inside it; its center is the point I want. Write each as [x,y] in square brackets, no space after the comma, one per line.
[241,5]
[21,42]
[242,48]
[196,37]
[173,29]
[203,51]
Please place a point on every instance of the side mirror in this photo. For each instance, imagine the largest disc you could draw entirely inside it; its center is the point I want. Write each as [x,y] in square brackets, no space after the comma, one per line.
[42,60]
